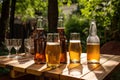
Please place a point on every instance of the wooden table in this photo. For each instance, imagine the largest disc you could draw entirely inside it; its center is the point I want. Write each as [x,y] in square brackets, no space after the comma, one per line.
[68,71]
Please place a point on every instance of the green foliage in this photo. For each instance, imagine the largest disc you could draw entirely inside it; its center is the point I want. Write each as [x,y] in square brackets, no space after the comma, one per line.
[102,12]
[115,23]
[77,24]
[107,16]
[29,8]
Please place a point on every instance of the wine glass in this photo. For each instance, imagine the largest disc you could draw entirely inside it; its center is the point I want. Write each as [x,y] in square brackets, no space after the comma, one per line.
[9,45]
[17,44]
[29,44]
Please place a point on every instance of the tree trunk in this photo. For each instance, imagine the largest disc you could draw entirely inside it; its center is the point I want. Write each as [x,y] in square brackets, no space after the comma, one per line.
[4,21]
[12,12]
[52,15]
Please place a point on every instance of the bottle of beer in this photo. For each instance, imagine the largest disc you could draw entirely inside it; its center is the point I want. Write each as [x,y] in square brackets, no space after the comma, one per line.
[63,41]
[63,45]
[40,43]
[93,44]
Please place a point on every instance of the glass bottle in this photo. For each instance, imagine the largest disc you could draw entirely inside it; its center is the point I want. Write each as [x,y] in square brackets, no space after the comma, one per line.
[63,45]
[93,44]
[63,40]
[40,43]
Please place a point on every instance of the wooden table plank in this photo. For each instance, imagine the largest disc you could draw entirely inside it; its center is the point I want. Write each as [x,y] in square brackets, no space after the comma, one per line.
[20,64]
[36,69]
[16,64]
[100,72]
[85,68]
[55,73]
[74,71]
[16,74]
[4,60]
[22,67]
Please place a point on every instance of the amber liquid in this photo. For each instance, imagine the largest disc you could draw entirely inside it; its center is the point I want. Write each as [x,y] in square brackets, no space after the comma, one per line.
[60,29]
[75,51]
[39,57]
[63,44]
[93,52]
[53,54]
[39,48]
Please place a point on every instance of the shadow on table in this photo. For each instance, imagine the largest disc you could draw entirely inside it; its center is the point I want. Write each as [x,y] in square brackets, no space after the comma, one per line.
[115,74]
[97,69]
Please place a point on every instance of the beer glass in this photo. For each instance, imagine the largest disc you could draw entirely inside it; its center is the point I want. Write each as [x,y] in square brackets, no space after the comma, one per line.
[75,48]
[53,50]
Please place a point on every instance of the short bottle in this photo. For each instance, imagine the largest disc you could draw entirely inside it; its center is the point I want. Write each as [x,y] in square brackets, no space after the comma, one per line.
[93,44]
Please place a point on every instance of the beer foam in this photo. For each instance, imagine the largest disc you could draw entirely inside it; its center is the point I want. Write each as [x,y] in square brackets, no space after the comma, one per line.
[40,28]
[75,41]
[61,28]
[53,43]
[93,43]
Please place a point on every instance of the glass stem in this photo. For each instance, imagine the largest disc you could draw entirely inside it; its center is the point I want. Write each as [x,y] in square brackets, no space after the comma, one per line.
[9,53]
[16,52]
[29,50]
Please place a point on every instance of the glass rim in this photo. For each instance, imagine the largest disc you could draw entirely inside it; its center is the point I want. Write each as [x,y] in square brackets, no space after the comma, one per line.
[74,33]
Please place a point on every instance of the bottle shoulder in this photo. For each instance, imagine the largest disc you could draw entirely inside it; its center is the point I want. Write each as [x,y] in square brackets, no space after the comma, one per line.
[93,39]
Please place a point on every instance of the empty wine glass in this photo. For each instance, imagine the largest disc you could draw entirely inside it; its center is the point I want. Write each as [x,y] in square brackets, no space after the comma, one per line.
[29,45]
[9,46]
[17,44]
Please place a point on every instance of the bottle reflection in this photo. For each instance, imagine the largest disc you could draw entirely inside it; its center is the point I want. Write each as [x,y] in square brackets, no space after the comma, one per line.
[75,69]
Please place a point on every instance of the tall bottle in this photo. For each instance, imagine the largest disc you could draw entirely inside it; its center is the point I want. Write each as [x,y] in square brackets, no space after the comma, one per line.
[40,43]
[63,41]
[93,44]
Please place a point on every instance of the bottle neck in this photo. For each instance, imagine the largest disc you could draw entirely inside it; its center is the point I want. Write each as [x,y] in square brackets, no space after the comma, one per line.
[40,22]
[93,29]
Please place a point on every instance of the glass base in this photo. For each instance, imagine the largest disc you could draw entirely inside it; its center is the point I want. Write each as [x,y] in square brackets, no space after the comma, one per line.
[74,61]
[28,55]
[52,66]
[17,57]
[93,61]
[10,56]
